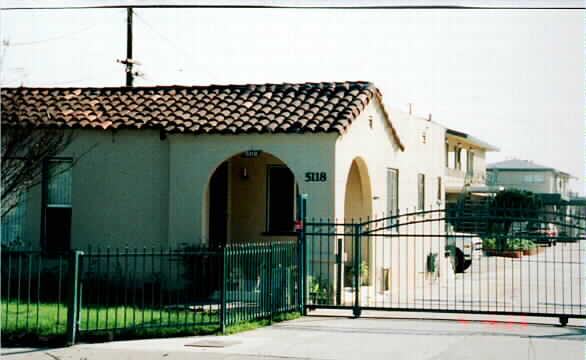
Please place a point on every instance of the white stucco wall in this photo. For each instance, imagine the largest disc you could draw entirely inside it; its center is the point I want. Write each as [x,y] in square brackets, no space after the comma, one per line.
[194,158]
[379,150]
[120,187]
[424,143]
[132,188]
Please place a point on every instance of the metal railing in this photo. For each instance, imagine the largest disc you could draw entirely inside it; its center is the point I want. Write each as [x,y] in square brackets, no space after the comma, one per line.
[34,292]
[510,262]
[74,293]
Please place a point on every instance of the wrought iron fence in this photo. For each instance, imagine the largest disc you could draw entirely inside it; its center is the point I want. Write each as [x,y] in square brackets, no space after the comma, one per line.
[128,289]
[261,280]
[146,288]
[34,291]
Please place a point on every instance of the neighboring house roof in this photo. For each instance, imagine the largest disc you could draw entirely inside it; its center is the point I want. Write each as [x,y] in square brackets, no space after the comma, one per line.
[521,165]
[223,109]
[472,140]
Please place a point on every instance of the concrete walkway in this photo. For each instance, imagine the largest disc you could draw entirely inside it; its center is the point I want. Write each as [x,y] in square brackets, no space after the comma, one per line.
[324,337]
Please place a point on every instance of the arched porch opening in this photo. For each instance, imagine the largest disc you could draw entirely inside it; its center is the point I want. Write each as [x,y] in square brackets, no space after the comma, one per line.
[357,208]
[250,197]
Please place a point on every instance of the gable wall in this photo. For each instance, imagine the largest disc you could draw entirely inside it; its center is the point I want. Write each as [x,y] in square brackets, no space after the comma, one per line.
[378,148]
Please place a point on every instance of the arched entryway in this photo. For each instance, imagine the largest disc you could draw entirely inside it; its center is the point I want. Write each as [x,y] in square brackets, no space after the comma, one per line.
[358,208]
[251,197]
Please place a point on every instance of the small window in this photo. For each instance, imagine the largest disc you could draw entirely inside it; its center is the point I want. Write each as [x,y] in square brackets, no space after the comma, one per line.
[57,210]
[13,222]
[421,192]
[392,191]
[458,158]
[439,188]
[280,200]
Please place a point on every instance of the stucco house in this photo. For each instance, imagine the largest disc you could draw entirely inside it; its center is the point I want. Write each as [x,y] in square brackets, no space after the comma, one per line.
[174,166]
[166,166]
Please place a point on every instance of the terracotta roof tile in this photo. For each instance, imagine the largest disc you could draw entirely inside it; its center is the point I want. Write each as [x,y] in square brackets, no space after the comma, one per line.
[278,108]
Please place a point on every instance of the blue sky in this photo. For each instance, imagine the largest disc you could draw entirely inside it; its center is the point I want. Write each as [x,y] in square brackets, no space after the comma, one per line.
[513,78]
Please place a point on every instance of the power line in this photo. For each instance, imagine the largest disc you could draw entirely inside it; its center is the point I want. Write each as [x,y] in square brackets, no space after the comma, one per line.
[60,37]
[163,37]
[283,6]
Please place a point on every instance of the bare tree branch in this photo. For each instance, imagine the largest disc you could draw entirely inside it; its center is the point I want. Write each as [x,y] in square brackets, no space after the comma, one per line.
[25,147]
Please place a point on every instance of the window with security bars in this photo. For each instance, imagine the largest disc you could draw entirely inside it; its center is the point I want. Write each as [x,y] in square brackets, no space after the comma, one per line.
[13,222]
[420,192]
[57,209]
[392,191]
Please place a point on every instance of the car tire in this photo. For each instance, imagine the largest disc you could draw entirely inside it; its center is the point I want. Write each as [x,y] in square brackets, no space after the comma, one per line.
[467,264]
[458,262]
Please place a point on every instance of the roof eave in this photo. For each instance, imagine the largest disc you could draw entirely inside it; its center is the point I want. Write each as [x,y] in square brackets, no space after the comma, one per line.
[386,113]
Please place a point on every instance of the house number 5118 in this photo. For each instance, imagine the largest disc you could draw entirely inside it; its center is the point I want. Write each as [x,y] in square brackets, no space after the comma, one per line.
[316,177]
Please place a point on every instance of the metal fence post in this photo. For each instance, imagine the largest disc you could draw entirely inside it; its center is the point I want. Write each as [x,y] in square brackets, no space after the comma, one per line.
[339,271]
[271,282]
[302,255]
[73,296]
[223,310]
[356,311]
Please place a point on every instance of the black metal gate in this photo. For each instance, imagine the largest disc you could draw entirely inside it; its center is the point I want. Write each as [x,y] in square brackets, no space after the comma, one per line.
[500,261]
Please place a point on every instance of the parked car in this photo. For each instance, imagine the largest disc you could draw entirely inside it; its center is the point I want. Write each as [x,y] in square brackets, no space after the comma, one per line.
[462,249]
[540,233]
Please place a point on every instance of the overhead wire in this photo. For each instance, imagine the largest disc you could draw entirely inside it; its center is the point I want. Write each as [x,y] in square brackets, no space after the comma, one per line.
[55,38]
[187,57]
[165,38]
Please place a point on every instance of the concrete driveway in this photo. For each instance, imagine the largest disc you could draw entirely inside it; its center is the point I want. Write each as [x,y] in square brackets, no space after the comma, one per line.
[323,337]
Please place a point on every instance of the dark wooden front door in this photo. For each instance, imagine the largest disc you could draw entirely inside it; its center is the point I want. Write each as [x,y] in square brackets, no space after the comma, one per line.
[218,220]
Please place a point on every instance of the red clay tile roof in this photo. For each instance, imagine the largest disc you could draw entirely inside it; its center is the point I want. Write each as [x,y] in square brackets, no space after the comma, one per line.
[224,109]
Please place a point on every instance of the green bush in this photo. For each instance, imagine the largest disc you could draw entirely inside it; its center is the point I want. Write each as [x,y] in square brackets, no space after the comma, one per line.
[319,291]
[515,244]
[489,243]
[508,244]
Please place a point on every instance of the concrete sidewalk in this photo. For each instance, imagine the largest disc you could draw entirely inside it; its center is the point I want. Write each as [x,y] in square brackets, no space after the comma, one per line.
[320,337]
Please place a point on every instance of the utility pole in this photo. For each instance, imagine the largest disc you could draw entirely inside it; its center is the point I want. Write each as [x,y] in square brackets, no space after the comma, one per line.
[129,74]
[129,62]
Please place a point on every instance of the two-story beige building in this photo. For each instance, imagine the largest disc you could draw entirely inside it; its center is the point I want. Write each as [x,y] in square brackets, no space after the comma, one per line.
[527,175]
[465,166]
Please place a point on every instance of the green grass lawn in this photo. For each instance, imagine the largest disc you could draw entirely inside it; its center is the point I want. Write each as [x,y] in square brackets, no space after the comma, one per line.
[34,323]
[40,319]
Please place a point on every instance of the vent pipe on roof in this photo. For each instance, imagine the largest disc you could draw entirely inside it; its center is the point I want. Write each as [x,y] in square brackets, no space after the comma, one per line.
[429,118]
[410,109]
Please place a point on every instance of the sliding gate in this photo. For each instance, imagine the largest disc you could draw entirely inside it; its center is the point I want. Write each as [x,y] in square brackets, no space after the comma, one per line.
[506,262]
